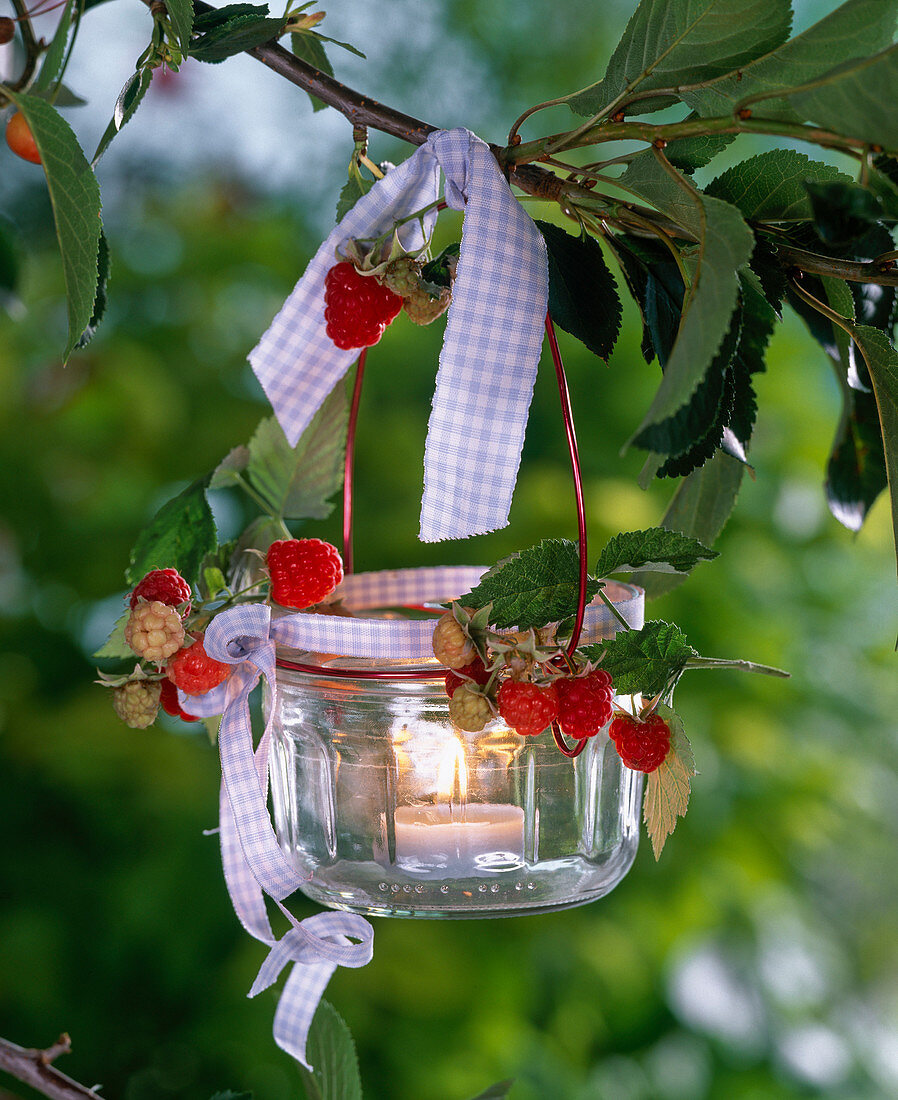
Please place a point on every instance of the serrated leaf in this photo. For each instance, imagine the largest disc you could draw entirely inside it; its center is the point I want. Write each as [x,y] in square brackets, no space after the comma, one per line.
[499,1091]
[770,274]
[129,99]
[700,507]
[240,32]
[655,282]
[725,243]
[227,473]
[772,186]
[353,189]
[673,42]
[655,549]
[348,46]
[856,470]
[180,12]
[308,47]
[296,482]
[695,152]
[667,787]
[330,1050]
[104,264]
[180,535]
[75,198]
[855,29]
[533,587]
[856,97]
[842,212]
[644,661]
[758,324]
[55,54]
[583,298]
[61,96]
[115,647]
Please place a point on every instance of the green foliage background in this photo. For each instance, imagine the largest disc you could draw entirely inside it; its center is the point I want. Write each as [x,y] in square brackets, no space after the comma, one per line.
[757,960]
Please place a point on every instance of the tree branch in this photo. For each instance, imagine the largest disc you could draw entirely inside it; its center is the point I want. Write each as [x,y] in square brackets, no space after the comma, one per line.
[360,110]
[35,1068]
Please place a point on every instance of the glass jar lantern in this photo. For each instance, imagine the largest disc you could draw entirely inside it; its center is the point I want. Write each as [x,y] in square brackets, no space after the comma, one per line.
[386,808]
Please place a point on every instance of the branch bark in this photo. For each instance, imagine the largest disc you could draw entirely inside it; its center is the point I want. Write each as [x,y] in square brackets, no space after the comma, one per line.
[35,1068]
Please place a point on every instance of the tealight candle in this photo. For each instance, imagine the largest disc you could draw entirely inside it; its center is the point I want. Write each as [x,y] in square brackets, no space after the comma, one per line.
[460,841]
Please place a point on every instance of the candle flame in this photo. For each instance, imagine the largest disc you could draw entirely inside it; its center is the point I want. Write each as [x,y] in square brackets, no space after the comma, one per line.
[452,774]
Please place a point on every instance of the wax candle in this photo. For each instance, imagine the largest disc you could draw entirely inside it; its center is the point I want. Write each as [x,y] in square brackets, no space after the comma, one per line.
[459,840]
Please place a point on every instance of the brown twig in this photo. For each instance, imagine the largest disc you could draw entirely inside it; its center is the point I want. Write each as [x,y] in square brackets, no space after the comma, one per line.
[35,1068]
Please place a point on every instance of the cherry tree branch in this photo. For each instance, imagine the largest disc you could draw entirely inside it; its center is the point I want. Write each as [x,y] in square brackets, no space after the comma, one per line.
[35,1068]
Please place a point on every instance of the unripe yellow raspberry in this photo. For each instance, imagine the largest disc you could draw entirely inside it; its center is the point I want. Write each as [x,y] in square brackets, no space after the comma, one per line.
[137,702]
[154,631]
[451,646]
[468,709]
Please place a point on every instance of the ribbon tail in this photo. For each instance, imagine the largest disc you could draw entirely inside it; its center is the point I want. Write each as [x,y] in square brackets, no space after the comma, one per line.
[243,889]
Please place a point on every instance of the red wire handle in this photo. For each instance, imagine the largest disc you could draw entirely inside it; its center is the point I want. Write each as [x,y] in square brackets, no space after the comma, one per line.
[348,467]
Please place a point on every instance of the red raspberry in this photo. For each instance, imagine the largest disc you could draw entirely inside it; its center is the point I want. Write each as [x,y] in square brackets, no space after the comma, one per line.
[582,708]
[303,571]
[642,746]
[168,700]
[528,708]
[165,585]
[357,308]
[469,710]
[600,680]
[136,703]
[476,671]
[451,646]
[195,672]
[154,631]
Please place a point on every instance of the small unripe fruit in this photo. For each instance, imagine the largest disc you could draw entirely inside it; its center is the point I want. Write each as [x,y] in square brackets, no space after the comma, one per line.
[7,29]
[469,710]
[451,646]
[137,702]
[20,138]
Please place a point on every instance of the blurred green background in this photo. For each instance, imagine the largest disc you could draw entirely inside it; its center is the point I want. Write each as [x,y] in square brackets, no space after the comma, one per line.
[758,959]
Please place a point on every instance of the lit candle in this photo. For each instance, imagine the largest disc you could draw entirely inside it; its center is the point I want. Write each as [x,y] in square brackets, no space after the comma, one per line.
[456,838]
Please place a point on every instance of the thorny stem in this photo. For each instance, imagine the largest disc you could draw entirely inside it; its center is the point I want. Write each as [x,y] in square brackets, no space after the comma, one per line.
[35,1068]
[33,48]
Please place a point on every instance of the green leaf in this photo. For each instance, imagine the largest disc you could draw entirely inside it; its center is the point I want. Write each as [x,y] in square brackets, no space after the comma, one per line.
[180,535]
[498,1091]
[855,29]
[348,46]
[103,268]
[667,787]
[856,470]
[55,54]
[655,549]
[655,282]
[882,364]
[643,661]
[857,97]
[772,186]
[241,31]
[695,152]
[532,587]
[843,212]
[308,47]
[354,189]
[10,267]
[228,472]
[115,647]
[725,243]
[331,1051]
[180,12]
[583,297]
[700,507]
[673,42]
[296,482]
[75,198]
[129,99]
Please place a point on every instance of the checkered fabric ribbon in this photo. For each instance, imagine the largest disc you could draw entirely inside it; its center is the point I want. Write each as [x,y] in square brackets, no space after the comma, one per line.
[254,863]
[491,347]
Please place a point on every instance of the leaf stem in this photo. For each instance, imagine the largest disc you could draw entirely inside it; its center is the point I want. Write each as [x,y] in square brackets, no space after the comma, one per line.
[743,666]
[614,611]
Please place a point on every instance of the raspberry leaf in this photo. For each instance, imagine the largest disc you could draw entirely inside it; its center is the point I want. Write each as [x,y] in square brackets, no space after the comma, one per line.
[331,1050]
[667,787]
[583,298]
[771,185]
[296,482]
[308,47]
[181,534]
[655,549]
[532,587]
[115,647]
[643,660]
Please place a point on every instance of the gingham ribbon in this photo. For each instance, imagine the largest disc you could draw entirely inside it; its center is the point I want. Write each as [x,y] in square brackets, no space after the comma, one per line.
[254,864]
[491,345]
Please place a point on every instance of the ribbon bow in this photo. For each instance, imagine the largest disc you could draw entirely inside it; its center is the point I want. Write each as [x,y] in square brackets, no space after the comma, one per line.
[253,862]
[491,346]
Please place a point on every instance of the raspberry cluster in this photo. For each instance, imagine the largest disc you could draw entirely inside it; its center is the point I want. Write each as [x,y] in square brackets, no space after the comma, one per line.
[476,671]
[165,585]
[641,745]
[137,702]
[452,646]
[195,672]
[403,277]
[527,707]
[154,631]
[303,571]
[168,700]
[357,308]
[584,703]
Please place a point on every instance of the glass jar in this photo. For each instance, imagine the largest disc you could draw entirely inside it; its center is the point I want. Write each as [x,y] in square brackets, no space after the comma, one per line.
[387,809]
